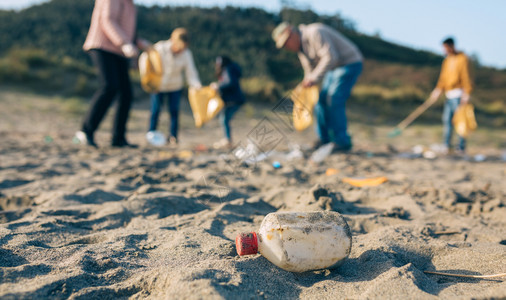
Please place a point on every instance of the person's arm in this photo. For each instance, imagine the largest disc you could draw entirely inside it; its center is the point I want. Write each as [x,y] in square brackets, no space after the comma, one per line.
[306,66]
[438,90]
[327,54]
[192,76]
[466,82]
[226,81]
[435,94]
[142,43]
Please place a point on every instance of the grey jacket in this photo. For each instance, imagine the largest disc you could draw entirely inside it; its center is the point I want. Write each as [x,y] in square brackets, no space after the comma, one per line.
[174,65]
[324,49]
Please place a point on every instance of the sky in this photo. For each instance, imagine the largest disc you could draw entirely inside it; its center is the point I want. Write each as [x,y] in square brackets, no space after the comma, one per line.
[477,26]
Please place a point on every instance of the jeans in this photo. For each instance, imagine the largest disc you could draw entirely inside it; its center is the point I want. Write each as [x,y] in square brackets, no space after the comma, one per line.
[226,116]
[330,110]
[115,83]
[450,107]
[173,108]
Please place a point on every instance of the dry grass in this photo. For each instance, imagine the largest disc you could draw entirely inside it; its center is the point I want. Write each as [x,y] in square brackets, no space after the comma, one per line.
[403,93]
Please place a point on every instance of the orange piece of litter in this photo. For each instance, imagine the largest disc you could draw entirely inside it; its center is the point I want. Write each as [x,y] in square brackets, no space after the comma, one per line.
[201,148]
[331,171]
[361,182]
[165,154]
[185,154]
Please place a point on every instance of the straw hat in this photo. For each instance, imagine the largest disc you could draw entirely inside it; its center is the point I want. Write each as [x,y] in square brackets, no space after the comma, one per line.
[281,33]
[179,38]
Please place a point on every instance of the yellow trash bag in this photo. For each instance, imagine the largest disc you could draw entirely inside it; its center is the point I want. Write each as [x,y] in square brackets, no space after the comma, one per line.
[151,70]
[304,100]
[205,103]
[464,120]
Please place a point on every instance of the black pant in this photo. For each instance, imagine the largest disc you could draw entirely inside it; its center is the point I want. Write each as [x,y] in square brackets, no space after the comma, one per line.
[114,82]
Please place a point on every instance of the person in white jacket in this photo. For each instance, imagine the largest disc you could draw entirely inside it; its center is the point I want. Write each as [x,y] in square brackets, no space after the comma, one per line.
[177,60]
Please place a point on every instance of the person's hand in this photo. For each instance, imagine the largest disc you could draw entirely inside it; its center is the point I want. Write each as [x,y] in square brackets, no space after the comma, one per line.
[143,44]
[435,94]
[464,99]
[214,86]
[307,83]
[130,50]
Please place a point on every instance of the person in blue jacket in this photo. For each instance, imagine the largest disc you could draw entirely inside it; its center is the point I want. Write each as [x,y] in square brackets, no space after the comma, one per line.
[228,73]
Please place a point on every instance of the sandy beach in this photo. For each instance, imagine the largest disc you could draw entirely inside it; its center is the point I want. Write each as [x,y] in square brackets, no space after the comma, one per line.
[160,223]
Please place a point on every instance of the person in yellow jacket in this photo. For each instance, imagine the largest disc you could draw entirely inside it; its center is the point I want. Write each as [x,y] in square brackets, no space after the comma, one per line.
[455,82]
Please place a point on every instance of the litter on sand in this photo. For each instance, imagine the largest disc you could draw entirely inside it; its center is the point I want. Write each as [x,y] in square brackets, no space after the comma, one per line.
[331,171]
[299,241]
[276,165]
[156,138]
[480,157]
[201,148]
[295,153]
[321,153]
[361,182]
[429,154]
[446,232]
[419,151]
[180,154]
[185,154]
[467,276]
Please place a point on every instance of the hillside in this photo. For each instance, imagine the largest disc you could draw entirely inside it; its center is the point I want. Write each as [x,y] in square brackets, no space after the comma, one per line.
[44,52]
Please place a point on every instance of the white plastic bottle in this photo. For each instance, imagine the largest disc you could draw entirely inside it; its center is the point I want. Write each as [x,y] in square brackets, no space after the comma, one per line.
[321,153]
[299,241]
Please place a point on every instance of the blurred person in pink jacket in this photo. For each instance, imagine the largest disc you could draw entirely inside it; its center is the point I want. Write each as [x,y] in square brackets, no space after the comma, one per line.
[111,42]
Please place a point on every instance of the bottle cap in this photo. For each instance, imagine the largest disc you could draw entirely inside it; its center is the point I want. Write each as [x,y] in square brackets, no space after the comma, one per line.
[246,243]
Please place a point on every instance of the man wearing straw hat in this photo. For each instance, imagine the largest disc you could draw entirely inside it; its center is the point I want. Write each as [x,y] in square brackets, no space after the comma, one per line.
[329,58]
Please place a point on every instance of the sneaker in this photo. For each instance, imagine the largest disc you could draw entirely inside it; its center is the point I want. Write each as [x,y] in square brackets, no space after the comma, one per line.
[460,152]
[172,140]
[223,144]
[84,139]
[342,148]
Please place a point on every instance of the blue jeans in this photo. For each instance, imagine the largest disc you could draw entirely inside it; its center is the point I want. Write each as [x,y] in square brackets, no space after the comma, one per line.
[226,116]
[332,125]
[450,107]
[173,107]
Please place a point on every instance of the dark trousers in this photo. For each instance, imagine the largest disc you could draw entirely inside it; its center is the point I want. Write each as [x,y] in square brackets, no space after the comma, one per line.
[173,107]
[114,83]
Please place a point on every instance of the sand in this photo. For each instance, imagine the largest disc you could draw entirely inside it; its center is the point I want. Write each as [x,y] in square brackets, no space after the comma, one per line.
[156,222]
